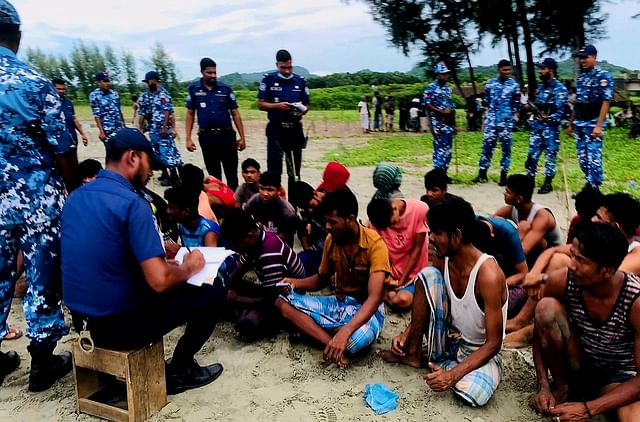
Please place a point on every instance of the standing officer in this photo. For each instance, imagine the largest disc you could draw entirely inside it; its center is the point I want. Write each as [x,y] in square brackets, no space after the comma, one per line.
[156,103]
[594,92]
[105,105]
[548,110]
[439,103]
[216,105]
[502,94]
[31,199]
[285,97]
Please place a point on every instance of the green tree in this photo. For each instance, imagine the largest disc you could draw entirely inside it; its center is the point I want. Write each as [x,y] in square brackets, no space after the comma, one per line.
[112,66]
[128,63]
[86,60]
[161,62]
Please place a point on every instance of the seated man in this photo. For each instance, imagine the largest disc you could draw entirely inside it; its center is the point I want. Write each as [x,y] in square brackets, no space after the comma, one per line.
[587,332]
[355,262]
[402,224]
[271,259]
[193,177]
[470,301]
[435,185]
[194,229]
[536,224]
[251,176]
[275,214]
[115,278]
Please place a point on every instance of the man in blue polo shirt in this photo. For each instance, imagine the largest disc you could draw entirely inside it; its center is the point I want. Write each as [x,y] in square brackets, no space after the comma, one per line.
[115,278]
[285,97]
[215,105]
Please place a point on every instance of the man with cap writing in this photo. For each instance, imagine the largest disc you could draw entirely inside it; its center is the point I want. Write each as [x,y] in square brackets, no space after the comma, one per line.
[31,198]
[115,276]
[594,92]
[548,110]
[215,105]
[439,103]
[105,106]
[285,97]
[156,103]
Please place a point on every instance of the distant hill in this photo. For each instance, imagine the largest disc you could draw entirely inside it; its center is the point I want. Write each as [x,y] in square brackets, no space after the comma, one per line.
[238,80]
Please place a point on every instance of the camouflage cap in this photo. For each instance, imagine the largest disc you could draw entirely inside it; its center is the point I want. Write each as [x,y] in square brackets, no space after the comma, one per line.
[8,14]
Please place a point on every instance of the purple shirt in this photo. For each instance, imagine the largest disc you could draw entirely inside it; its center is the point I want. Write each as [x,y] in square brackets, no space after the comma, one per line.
[275,262]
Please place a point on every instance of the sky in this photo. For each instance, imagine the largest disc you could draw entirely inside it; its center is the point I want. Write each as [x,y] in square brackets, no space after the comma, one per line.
[324,36]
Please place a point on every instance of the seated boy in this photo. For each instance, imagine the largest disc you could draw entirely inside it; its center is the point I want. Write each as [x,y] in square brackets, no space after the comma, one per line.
[194,229]
[435,185]
[193,177]
[251,176]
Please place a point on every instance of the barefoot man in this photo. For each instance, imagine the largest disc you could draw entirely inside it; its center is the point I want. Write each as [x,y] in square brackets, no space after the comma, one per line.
[462,314]
[356,262]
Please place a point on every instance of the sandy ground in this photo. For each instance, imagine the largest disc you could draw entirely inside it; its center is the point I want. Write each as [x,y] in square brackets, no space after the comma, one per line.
[277,380]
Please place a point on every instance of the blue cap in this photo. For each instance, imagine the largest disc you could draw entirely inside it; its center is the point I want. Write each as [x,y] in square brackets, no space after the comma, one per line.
[441,68]
[586,51]
[8,14]
[548,62]
[102,76]
[152,74]
[130,138]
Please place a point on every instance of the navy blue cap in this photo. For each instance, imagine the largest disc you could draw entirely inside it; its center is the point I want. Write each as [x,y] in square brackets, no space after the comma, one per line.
[586,51]
[548,62]
[130,138]
[102,76]
[8,14]
[152,74]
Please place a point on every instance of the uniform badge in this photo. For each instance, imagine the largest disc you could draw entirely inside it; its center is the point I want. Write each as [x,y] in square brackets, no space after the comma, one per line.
[203,105]
[263,86]
[276,84]
[604,82]
[232,96]
[296,87]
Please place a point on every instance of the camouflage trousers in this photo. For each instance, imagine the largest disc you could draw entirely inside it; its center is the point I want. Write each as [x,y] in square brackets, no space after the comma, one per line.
[493,132]
[442,143]
[589,152]
[166,149]
[42,305]
[544,137]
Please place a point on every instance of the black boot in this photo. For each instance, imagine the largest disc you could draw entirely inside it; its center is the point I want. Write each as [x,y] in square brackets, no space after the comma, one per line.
[546,186]
[190,376]
[482,177]
[503,178]
[46,368]
[9,362]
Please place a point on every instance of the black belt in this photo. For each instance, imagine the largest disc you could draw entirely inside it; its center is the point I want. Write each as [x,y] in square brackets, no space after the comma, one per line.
[287,125]
[587,111]
[214,130]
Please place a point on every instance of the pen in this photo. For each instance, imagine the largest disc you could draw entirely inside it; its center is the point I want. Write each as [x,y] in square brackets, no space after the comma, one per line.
[184,244]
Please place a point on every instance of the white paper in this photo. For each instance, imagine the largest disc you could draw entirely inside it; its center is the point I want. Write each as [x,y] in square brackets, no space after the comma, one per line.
[301,107]
[213,258]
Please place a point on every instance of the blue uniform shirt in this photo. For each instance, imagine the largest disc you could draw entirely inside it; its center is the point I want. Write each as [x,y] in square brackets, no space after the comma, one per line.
[69,140]
[106,106]
[212,106]
[107,231]
[503,98]
[594,86]
[439,96]
[154,105]
[552,99]
[276,89]
[29,192]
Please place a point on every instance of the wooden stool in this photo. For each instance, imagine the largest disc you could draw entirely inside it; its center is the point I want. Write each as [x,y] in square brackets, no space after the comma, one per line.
[142,371]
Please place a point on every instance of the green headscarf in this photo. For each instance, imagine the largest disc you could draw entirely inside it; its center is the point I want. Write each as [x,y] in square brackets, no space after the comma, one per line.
[387,179]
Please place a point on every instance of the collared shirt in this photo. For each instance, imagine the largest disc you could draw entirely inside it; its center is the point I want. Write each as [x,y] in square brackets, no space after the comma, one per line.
[153,106]
[439,96]
[275,261]
[276,89]
[29,191]
[108,229]
[594,86]
[212,106]
[69,140]
[352,270]
[106,107]
[503,98]
[551,98]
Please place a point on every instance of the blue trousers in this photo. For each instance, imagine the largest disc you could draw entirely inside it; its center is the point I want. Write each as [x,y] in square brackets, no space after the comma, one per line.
[442,144]
[589,152]
[493,132]
[544,137]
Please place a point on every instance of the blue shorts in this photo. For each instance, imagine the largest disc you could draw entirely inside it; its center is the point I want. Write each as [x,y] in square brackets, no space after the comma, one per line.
[330,313]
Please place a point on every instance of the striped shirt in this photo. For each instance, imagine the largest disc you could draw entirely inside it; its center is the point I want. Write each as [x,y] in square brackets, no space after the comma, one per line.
[609,345]
[276,260]
[195,238]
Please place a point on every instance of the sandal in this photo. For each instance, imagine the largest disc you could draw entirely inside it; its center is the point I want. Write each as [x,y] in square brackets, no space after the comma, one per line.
[13,334]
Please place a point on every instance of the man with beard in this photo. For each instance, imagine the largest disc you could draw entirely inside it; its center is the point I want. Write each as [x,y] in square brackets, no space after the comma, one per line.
[215,105]
[548,110]
[355,262]
[105,106]
[115,277]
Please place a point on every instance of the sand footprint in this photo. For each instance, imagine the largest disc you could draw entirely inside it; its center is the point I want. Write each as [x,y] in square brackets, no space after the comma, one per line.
[326,415]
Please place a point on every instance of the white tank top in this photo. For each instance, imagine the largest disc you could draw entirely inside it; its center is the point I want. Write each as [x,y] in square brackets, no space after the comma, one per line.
[552,236]
[466,314]
[633,245]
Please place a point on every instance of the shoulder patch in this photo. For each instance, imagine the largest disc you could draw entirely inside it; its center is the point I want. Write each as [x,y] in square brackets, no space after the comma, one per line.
[263,86]
[604,82]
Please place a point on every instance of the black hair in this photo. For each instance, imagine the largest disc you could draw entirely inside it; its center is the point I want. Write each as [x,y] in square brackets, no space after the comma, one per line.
[504,63]
[184,197]
[624,210]
[436,178]
[342,201]
[134,98]
[603,243]
[521,185]
[300,194]
[206,62]
[9,33]
[269,178]
[58,81]
[114,155]
[250,162]
[87,169]
[237,224]
[588,200]
[192,176]
[283,56]
[453,214]
[380,211]
[482,235]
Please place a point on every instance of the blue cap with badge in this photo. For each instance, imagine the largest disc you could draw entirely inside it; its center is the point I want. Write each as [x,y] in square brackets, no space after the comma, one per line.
[130,138]
[8,14]
[151,75]
[441,67]
[548,62]
[102,76]
[586,51]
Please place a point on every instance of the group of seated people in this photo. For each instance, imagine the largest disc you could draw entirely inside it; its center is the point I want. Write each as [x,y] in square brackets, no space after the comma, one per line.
[466,279]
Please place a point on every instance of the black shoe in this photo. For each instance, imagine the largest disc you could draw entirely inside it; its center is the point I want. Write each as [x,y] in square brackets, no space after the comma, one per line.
[9,362]
[546,186]
[503,178]
[194,376]
[482,177]
[46,370]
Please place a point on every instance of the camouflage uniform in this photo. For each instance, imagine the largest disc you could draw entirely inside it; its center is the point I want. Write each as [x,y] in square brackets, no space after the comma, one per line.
[592,88]
[154,105]
[106,107]
[31,197]
[439,96]
[551,99]
[504,100]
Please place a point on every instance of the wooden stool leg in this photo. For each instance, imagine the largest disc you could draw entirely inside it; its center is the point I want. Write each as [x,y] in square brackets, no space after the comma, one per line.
[146,385]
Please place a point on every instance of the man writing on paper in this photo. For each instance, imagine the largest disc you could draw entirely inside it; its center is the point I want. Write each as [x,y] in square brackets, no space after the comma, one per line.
[115,278]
